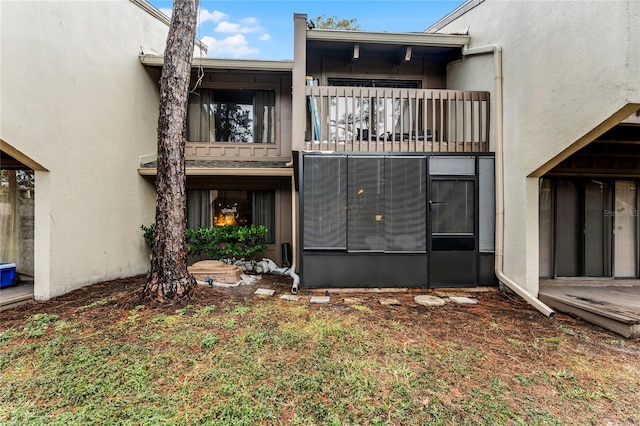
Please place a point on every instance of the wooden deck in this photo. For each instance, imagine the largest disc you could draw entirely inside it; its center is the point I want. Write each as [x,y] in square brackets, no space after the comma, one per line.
[611,304]
[13,296]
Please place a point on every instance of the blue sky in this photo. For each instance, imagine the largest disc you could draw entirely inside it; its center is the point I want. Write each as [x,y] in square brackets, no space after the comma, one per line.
[264,29]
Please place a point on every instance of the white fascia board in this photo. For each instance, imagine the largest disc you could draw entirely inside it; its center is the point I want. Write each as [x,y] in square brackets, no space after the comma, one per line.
[199,171]
[409,39]
[224,64]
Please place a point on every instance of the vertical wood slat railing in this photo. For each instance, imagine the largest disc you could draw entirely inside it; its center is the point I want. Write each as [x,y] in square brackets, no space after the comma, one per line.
[399,120]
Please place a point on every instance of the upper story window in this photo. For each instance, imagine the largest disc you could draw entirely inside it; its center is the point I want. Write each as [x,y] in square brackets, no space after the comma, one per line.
[231,115]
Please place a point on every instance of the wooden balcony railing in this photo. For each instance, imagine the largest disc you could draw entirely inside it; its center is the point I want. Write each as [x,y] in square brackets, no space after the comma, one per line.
[396,120]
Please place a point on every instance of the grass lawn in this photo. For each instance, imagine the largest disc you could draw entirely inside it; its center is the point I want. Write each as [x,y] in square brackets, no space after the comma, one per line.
[96,356]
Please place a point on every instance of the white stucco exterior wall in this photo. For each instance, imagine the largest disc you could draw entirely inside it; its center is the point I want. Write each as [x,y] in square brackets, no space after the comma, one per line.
[569,68]
[76,99]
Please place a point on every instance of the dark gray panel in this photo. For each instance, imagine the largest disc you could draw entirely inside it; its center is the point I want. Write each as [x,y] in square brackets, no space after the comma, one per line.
[452,207]
[453,269]
[487,270]
[405,204]
[453,243]
[324,200]
[486,205]
[335,270]
[366,204]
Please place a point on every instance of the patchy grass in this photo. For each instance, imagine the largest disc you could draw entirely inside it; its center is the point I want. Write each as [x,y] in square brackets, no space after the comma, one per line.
[98,357]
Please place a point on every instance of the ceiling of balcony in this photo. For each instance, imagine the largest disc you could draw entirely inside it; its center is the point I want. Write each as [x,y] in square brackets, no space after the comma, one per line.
[445,54]
[405,46]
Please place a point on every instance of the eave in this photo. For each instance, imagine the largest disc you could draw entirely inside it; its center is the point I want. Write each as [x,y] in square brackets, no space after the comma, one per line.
[407,39]
[155,12]
[199,171]
[13,159]
[225,64]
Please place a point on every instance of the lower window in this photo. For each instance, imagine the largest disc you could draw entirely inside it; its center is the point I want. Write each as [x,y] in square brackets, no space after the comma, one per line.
[211,207]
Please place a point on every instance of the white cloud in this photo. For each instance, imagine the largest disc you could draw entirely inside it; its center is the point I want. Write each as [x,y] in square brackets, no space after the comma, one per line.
[214,16]
[227,27]
[234,46]
[167,11]
[249,21]
[265,37]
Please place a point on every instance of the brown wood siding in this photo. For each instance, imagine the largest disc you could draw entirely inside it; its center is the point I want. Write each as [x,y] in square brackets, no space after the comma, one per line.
[229,79]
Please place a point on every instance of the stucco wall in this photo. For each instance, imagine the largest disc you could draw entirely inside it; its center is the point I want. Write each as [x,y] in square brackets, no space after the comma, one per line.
[568,67]
[76,99]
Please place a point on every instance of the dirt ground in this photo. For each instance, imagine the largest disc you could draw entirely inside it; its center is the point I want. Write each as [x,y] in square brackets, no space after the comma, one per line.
[512,311]
[519,342]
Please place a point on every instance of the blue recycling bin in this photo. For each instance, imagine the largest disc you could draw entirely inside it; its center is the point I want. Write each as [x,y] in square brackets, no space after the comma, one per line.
[7,274]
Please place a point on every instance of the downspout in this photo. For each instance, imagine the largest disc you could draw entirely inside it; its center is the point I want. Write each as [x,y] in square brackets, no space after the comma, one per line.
[499,160]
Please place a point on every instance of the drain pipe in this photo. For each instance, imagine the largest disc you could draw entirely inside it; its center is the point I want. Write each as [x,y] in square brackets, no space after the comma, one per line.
[499,159]
[294,236]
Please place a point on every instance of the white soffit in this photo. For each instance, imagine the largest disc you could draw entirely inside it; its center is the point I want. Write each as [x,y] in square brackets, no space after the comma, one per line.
[224,64]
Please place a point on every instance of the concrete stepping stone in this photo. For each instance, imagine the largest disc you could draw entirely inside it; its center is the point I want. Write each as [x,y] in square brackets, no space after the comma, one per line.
[319,299]
[451,293]
[352,300]
[290,297]
[426,300]
[390,302]
[264,292]
[464,300]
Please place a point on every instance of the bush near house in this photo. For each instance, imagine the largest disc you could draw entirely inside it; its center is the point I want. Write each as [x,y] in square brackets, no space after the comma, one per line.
[224,242]
[220,242]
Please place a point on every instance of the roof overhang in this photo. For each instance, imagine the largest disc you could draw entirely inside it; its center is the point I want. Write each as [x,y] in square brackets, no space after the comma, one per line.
[408,39]
[12,159]
[231,171]
[155,12]
[224,64]
[453,15]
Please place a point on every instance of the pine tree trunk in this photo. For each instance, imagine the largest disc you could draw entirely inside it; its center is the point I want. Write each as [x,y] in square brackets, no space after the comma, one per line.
[169,276]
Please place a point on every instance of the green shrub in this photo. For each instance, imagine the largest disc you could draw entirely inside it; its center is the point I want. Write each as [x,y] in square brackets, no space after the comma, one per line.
[148,234]
[220,242]
[223,242]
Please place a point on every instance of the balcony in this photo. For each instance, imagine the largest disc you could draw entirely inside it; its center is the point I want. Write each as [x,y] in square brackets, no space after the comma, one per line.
[366,119]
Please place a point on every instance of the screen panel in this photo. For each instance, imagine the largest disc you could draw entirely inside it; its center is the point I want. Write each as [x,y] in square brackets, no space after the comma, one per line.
[366,204]
[405,204]
[486,205]
[325,202]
